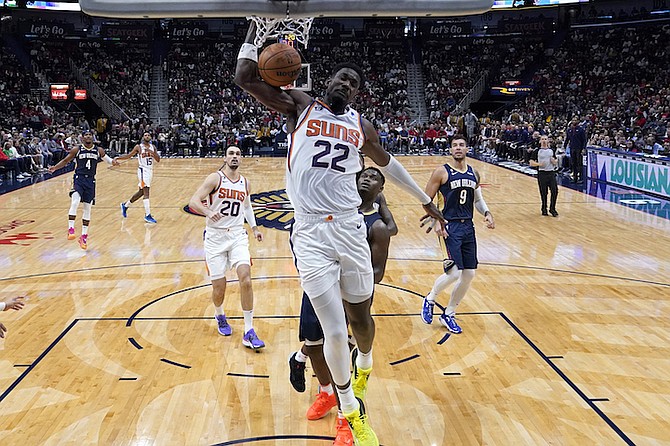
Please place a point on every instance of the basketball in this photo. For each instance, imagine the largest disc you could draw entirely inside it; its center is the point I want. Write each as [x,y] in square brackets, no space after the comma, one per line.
[279,64]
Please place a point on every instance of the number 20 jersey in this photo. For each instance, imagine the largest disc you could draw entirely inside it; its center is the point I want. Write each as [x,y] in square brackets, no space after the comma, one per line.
[323,160]
[228,199]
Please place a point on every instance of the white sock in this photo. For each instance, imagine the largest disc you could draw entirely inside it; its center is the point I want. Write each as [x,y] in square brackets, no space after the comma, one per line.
[219,310]
[248,320]
[348,401]
[84,230]
[328,389]
[300,356]
[147,208]
[127,204]
[70,224]
[364,360]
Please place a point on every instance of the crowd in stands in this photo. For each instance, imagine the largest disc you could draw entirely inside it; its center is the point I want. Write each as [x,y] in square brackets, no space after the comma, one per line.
[450,70]
[121,70]
[610,79]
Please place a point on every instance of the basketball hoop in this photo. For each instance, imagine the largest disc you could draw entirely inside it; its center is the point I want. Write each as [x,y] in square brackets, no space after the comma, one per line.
[272,28]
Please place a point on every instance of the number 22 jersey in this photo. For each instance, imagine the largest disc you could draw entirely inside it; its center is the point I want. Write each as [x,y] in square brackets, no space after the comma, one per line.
[323,160]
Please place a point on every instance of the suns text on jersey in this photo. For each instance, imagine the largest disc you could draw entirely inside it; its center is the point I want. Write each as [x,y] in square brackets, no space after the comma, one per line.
[317,127]
[232,194]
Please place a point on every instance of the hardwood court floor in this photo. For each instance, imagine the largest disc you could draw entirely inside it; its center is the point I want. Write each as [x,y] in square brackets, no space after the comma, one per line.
[566,331]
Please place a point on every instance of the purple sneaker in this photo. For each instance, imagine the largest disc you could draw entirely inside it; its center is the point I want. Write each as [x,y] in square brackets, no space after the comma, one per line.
[251,340]
[224,328]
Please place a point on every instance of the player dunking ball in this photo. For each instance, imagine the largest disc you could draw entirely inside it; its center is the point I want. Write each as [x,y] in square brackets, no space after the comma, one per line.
[226,241]
[147,156]
[329,235]
[370,185]
[86,157]
[459,185]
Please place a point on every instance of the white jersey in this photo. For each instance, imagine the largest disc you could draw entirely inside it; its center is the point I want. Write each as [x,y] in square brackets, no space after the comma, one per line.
[144,157]
[323,160]
[228,199]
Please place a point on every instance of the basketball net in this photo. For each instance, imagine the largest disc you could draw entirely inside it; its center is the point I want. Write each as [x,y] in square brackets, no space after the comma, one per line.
[287,30]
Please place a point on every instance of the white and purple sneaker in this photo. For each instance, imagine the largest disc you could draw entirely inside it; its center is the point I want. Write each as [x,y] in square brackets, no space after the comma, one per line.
[224,327]
[251,340]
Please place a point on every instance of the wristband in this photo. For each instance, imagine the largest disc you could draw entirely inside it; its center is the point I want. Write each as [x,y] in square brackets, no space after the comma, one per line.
[248,51]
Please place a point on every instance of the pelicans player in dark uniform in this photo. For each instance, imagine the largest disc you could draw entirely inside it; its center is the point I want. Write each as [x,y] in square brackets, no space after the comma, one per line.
[379,232]
[459,185]
[86,156]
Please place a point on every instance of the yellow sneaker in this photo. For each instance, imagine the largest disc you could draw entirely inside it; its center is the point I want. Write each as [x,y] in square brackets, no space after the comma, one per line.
[359,377]
[360,428]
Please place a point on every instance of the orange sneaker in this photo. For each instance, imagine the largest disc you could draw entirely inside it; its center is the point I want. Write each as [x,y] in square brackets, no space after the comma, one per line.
[343,437]
[83,242]
[321,406]
[70,234]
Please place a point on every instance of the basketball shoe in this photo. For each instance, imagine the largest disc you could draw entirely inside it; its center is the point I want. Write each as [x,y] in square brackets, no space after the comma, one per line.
[124,210]
[321,406]
[70,234]
[427,311]
[449,321]
[251,340]
[297,370]
[83,241]
[359,377]
[360,428]
[150,219]
[343,435]
[224,327]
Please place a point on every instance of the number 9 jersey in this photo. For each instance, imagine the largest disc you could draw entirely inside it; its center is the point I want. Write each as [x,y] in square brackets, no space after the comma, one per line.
[228,200]
[459,194]
[323,161]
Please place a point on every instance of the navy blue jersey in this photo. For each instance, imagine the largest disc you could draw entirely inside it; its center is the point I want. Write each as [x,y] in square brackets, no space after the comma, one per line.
[459,194]
[370,220]
[87,161]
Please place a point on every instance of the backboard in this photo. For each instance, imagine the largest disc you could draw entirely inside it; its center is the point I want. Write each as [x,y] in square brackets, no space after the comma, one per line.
[277,8]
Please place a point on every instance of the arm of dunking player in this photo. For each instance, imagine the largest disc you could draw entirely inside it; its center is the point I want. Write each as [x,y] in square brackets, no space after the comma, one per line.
[247,78]
[395,171]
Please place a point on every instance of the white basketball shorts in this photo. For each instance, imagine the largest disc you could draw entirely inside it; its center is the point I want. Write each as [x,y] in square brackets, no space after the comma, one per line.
[144,177]
[226,249]
[331,249]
